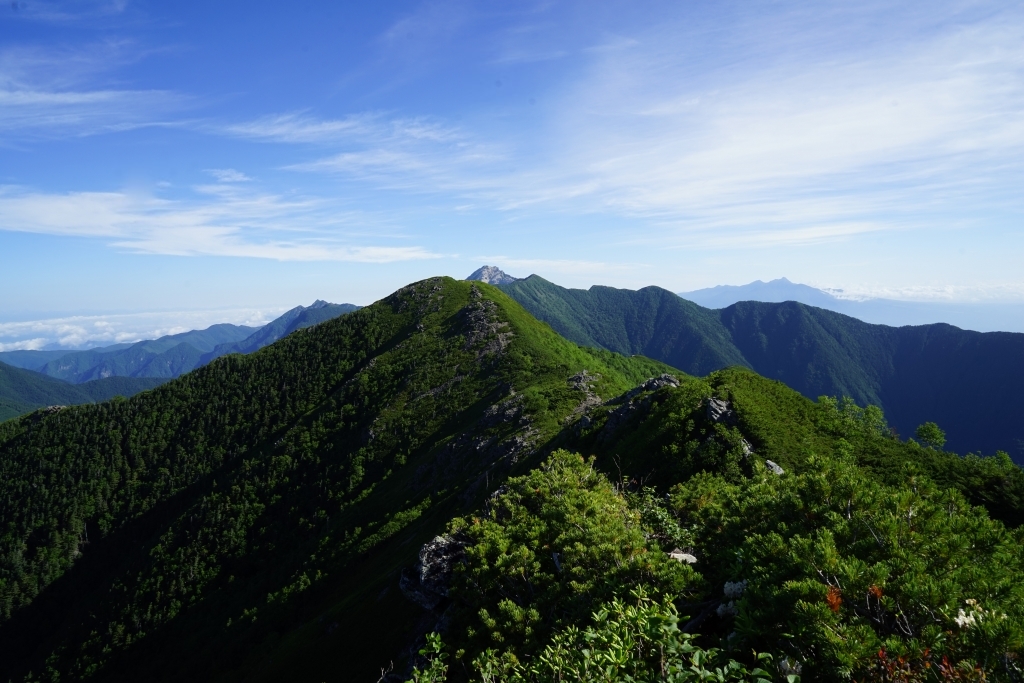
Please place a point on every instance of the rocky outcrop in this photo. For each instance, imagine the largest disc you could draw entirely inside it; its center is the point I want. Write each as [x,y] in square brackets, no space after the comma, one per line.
[584,382]
[428,582]
[679,556]
[774,467]
[720,412]
[631,404]
[484,331]
[492,276]
[652,384]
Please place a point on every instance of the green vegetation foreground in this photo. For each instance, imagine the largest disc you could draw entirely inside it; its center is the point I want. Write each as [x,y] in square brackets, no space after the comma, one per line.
[311,511]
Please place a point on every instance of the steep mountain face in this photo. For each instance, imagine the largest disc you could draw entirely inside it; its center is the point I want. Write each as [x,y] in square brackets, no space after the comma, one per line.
[492,276]
[916,374]
[249,520]
[297,318]
[22,391]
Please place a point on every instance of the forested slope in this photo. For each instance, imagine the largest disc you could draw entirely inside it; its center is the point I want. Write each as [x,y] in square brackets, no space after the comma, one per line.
[310,511]
[796,538]
[264,503]
[23,391]
[961,379]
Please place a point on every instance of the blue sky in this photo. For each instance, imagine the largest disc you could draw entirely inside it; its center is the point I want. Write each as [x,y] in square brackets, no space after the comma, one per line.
[183,162]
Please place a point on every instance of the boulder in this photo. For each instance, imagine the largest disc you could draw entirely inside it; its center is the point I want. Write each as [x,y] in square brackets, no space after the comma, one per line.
[719,411]
[428,582]
[679,556]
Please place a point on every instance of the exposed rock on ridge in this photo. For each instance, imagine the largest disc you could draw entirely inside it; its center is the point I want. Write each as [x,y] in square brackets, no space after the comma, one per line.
[492,276]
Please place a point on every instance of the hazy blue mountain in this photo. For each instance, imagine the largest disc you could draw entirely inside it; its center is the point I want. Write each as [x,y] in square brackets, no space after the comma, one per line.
[171,355]
[31,360]
[296,319]
[774,291]
[168,356]
[22,391]
[966,381]
[492,275]
[983,317]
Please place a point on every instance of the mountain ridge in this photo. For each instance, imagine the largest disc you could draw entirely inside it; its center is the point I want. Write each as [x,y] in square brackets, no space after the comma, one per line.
[981,316]
[170,355]
[312,510]
[816,351]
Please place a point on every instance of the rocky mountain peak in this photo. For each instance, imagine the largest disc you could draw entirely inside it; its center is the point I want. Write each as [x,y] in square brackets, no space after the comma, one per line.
[492,275]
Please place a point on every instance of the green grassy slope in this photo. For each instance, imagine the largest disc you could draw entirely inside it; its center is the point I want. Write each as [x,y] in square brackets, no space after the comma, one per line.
[916,374]
[250,518]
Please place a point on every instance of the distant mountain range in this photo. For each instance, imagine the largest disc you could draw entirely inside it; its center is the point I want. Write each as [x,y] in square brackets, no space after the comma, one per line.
[22,391]
[35,379]
[983,317]
[296,319]
[968,382]
[174,354]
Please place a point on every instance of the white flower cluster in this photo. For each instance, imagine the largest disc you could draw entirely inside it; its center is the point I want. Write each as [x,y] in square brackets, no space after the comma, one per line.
[974,614]
[734,589]
[790,666]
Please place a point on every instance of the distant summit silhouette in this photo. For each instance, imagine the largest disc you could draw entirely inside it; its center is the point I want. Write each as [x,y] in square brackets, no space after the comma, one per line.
[983,317]
[775,291]
[492,275]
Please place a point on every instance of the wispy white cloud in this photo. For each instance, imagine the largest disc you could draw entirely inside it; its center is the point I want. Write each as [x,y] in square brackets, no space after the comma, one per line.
[219,220]
[416,154]
[51,11]
[25,344]
[975,293]
[86,331]
[228,175]
[779,143]
[60,92]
